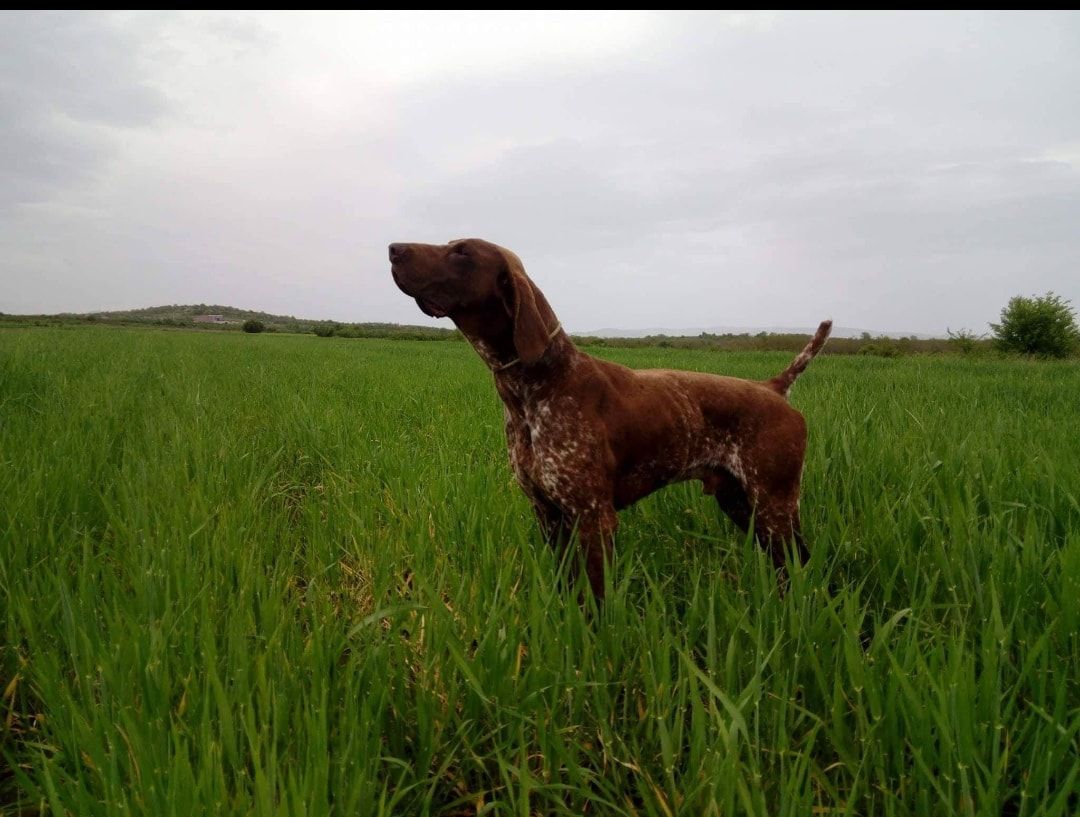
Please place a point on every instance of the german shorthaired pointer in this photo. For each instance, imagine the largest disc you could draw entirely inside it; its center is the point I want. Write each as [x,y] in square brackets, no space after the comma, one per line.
[588,437]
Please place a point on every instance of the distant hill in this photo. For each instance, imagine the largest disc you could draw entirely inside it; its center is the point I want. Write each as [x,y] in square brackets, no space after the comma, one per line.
[216,317]
[189,311]
[231,318]
[185,315]
[729,331]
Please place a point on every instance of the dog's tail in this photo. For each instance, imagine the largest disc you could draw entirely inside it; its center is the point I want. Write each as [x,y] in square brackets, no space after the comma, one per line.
[783,381]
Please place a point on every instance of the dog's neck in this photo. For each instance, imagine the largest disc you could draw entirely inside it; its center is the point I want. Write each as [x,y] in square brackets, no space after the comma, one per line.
[550,339]
[492,336]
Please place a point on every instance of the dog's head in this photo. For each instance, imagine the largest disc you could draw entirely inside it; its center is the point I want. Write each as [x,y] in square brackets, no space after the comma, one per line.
[480,282]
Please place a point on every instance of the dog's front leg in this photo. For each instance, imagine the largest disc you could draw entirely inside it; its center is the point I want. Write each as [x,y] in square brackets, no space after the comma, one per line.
[596,538]
[554,525]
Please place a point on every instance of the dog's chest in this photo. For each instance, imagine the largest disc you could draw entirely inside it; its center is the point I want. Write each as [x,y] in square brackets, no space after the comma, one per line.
[549,449]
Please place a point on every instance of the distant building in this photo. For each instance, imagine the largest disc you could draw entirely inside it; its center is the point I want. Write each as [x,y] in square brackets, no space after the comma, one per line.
[210,319]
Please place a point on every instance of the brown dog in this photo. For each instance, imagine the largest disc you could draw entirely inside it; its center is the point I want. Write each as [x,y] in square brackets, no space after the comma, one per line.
[588,437]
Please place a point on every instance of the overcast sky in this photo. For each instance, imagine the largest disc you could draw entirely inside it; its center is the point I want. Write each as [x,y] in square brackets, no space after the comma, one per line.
[893,171]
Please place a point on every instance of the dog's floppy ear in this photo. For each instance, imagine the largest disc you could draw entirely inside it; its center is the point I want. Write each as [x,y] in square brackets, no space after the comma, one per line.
[526,307]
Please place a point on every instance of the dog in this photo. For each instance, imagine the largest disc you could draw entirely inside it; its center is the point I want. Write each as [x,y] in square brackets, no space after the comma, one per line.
[588,437]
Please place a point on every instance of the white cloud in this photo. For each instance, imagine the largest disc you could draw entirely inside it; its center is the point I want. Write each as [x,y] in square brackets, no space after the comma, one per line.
[900,171]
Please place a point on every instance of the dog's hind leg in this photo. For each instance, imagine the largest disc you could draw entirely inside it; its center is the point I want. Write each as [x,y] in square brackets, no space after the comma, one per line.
[777,527]
[775,518]
[730,496]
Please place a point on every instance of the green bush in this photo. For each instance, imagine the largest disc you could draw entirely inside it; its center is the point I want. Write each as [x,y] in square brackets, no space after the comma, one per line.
[882,347]
[253,326]
[963,340]
[1045,327]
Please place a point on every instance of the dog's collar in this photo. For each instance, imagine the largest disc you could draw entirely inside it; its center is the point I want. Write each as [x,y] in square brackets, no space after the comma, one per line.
[517,360]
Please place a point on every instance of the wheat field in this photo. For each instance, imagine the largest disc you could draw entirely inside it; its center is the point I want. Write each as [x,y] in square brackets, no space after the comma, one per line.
[287,575]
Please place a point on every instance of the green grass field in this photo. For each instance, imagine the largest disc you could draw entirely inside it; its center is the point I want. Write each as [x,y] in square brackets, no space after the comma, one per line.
[293,576]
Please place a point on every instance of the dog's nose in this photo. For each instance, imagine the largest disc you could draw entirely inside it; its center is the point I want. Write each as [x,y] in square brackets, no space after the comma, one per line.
[397,252]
